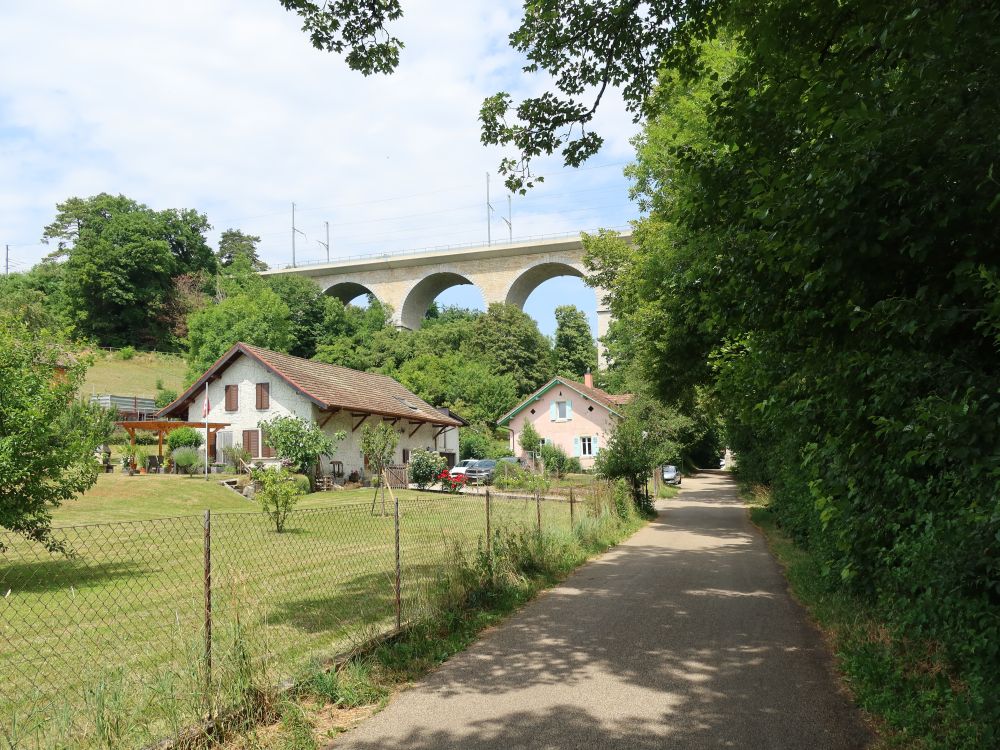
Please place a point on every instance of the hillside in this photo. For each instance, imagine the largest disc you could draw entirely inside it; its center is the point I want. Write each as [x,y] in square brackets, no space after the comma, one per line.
[136,376]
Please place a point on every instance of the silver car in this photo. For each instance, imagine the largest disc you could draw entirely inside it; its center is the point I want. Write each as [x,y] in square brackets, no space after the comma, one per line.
[671,474]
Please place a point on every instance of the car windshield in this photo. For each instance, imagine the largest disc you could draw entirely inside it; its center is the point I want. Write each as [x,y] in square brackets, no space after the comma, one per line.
[486,464]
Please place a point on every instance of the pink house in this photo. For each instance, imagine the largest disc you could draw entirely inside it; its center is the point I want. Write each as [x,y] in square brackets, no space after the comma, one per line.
[577,417]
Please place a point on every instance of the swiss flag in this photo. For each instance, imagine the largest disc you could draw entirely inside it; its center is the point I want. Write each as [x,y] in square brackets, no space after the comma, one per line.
[206,407]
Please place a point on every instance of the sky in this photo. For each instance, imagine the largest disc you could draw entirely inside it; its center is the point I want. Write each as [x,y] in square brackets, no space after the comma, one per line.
[226,107]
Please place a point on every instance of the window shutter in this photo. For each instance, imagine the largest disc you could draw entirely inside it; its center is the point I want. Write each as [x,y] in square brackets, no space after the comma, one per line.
[251,442]
[594,445]
[266,451]
[263,395]
[553,412]
[232,398]
[576,447]
[569,409]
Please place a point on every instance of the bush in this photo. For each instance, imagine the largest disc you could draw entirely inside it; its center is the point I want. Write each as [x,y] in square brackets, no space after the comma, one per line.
[237,456]
[186,458]
[573,465]
[185,437]
[301,481]
[478,442]
[278,492]
[555,459]
[126,352]
[165,396]
[425,467]
[450,483]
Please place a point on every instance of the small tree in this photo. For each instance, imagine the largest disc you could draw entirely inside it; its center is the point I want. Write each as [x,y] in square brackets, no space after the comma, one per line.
[555,459]
[646,438]
[185,437]
[278,493]
[299,442]
[530,439]
[378,444]
[426,467]
[47,437]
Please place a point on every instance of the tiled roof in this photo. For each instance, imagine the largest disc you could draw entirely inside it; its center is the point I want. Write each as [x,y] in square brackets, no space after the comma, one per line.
[330,387]
[610,400]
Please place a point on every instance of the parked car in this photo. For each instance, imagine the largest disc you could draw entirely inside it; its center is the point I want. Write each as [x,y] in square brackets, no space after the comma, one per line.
[481,472]
[458,470]
[671,474]
[722,462]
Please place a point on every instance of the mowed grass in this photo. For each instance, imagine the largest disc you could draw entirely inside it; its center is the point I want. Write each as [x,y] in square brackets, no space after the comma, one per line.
[133,377]
[116,630]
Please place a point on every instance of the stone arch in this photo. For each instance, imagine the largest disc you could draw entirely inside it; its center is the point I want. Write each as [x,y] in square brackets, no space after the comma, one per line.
[346,291]
[419,296]
[531,277]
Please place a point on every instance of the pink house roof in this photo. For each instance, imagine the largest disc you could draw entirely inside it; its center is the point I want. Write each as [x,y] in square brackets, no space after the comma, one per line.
[610,401]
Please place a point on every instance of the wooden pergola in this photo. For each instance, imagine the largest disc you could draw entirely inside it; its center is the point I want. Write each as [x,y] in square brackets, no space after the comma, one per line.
[165,426]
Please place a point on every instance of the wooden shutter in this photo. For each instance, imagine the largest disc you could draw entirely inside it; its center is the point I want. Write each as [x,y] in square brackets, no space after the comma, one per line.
[251,442]
[266,451]
[232,398]
[263,395]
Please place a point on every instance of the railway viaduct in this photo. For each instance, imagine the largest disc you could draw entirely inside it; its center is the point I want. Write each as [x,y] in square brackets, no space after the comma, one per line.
[409,282]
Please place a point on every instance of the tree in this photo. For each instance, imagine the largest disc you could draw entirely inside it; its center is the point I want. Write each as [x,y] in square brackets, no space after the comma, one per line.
[47,437]
[508,340]
[260,318]
[184,437]
[378,445]
[235,244]
[299,442]
[530,439]
[307,310]
[278,494]
[120,261]
[647,437]
[575,353]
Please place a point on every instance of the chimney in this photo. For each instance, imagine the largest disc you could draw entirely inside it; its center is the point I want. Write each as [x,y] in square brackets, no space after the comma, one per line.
[588,379]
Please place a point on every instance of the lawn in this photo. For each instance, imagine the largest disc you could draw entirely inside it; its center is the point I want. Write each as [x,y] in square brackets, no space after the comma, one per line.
[134,377]
[115,631]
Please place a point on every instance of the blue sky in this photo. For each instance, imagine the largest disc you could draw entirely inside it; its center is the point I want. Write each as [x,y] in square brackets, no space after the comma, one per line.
[226,108]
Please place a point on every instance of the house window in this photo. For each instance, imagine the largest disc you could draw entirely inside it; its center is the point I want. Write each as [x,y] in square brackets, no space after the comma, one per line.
[255,445]
[586,446]
[263,395]
[560,410]
[232,398]
[406,455]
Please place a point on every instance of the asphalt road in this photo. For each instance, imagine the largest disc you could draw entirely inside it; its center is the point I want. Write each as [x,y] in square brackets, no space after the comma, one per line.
[682,637]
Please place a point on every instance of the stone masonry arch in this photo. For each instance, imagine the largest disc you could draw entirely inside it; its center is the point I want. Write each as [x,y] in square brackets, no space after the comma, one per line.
[419,296]
[532,276]
[346,291]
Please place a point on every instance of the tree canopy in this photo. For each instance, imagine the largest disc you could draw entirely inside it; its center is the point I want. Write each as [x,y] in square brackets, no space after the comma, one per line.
[574,353]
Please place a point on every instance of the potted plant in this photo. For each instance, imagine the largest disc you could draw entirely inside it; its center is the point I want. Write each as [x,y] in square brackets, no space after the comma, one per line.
[128,460]
[140,460]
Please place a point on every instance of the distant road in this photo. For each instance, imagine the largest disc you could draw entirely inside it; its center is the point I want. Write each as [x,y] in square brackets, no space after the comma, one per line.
[683,637]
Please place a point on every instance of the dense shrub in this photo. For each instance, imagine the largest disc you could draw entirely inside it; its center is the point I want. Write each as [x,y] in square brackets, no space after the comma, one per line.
[164,397]
[425,468]
[185,437]
[186,459]
[126,353]
[555,460]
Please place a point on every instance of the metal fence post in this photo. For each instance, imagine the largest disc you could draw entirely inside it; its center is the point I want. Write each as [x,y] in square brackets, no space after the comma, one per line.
[208,608]
[399,601]
[572,521]
[489,540]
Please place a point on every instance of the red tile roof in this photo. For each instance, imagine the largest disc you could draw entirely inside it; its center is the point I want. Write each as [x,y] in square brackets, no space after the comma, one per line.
[328,386]
[610,400]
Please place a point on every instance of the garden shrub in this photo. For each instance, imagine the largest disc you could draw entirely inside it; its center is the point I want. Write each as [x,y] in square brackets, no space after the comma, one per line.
[425,467]
[278,492]
[185,437]
[126,353]
[301,482]
[555,459]
[186,458]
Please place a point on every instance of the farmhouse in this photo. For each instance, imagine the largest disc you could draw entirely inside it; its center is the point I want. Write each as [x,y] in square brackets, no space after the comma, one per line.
[248,385]
[577,417]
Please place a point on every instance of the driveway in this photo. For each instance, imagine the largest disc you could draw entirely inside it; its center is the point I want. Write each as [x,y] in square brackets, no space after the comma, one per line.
[684,636]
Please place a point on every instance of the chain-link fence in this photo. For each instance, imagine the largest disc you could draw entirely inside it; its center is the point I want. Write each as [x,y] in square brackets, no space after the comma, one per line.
[146,627]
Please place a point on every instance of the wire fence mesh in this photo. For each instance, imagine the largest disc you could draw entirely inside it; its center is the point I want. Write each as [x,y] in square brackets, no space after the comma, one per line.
[143,628]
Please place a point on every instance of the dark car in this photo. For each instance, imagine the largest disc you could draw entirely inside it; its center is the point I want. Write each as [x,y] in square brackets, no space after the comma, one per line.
[481,472]
[671,475]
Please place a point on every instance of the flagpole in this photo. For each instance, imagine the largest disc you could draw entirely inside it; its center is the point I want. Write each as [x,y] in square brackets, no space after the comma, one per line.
[205,410]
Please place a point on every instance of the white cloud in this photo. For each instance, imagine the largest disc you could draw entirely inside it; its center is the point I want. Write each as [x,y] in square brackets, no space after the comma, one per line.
[225,107]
